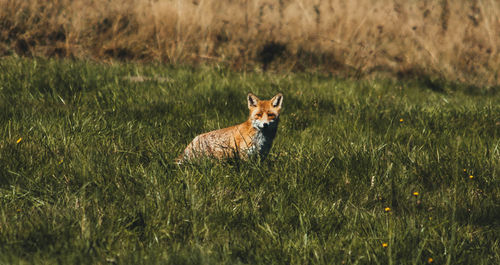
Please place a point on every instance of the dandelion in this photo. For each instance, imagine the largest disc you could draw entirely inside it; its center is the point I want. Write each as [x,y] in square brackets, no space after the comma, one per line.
[387,209]
[471,177]
[384,245]
[465,170]
[430,260]
[60,162]
[415,193]
[19,140]
[401,120]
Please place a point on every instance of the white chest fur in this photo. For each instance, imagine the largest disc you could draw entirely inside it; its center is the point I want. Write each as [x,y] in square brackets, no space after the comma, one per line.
[261,143]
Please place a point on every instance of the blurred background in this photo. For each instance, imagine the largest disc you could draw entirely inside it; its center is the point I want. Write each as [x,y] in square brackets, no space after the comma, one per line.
[454,40]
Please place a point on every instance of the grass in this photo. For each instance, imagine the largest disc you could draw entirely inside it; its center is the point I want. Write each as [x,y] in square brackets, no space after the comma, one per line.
[87,173]
[457,40]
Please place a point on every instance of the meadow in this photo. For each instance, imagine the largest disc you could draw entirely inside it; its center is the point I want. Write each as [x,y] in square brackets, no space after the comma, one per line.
[373,171]
[457,40]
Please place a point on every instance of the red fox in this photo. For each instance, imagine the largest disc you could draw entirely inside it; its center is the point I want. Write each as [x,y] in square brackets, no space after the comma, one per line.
[253,137]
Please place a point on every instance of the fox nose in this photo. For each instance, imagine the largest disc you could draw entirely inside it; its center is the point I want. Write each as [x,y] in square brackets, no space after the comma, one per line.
[265,125]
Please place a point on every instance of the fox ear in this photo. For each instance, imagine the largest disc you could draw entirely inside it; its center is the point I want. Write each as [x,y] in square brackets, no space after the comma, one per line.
[277,100]
[252,100]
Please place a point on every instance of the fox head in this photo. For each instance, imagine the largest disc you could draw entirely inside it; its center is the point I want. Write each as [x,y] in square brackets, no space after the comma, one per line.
[264,114]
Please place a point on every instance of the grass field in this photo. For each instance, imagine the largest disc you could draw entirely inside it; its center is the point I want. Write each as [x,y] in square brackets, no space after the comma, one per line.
[456,40]
[361,172]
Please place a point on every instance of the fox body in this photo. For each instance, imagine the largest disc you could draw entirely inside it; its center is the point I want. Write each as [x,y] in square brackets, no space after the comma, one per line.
[252,137]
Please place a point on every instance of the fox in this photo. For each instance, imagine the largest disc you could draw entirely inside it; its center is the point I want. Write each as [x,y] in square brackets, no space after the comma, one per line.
[254,137]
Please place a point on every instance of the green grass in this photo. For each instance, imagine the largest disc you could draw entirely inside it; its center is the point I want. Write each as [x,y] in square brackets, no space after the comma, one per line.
[93,181]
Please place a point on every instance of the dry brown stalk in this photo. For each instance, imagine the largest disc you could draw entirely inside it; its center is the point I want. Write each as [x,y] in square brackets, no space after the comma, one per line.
[457,40]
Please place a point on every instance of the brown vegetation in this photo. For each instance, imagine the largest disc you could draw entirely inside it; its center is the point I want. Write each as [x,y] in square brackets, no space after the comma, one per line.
[458,40]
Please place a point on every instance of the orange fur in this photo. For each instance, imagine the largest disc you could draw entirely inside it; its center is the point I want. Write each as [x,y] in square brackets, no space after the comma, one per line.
[254,136]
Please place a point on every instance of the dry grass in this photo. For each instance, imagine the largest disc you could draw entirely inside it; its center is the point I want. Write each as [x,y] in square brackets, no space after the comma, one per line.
[457,40]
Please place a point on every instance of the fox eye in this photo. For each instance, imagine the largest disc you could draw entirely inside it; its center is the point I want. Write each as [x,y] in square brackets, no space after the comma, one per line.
[258,115]
[271,115]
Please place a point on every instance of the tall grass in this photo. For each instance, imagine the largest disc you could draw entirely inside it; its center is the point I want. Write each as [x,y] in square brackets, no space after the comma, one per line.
[87,173]
[456,40]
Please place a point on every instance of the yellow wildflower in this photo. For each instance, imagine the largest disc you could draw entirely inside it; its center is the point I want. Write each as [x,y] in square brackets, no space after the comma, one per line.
[19,140]
[430,260]
[387,209]
[401,120]
[384,245]
[415,193]
[471,177]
